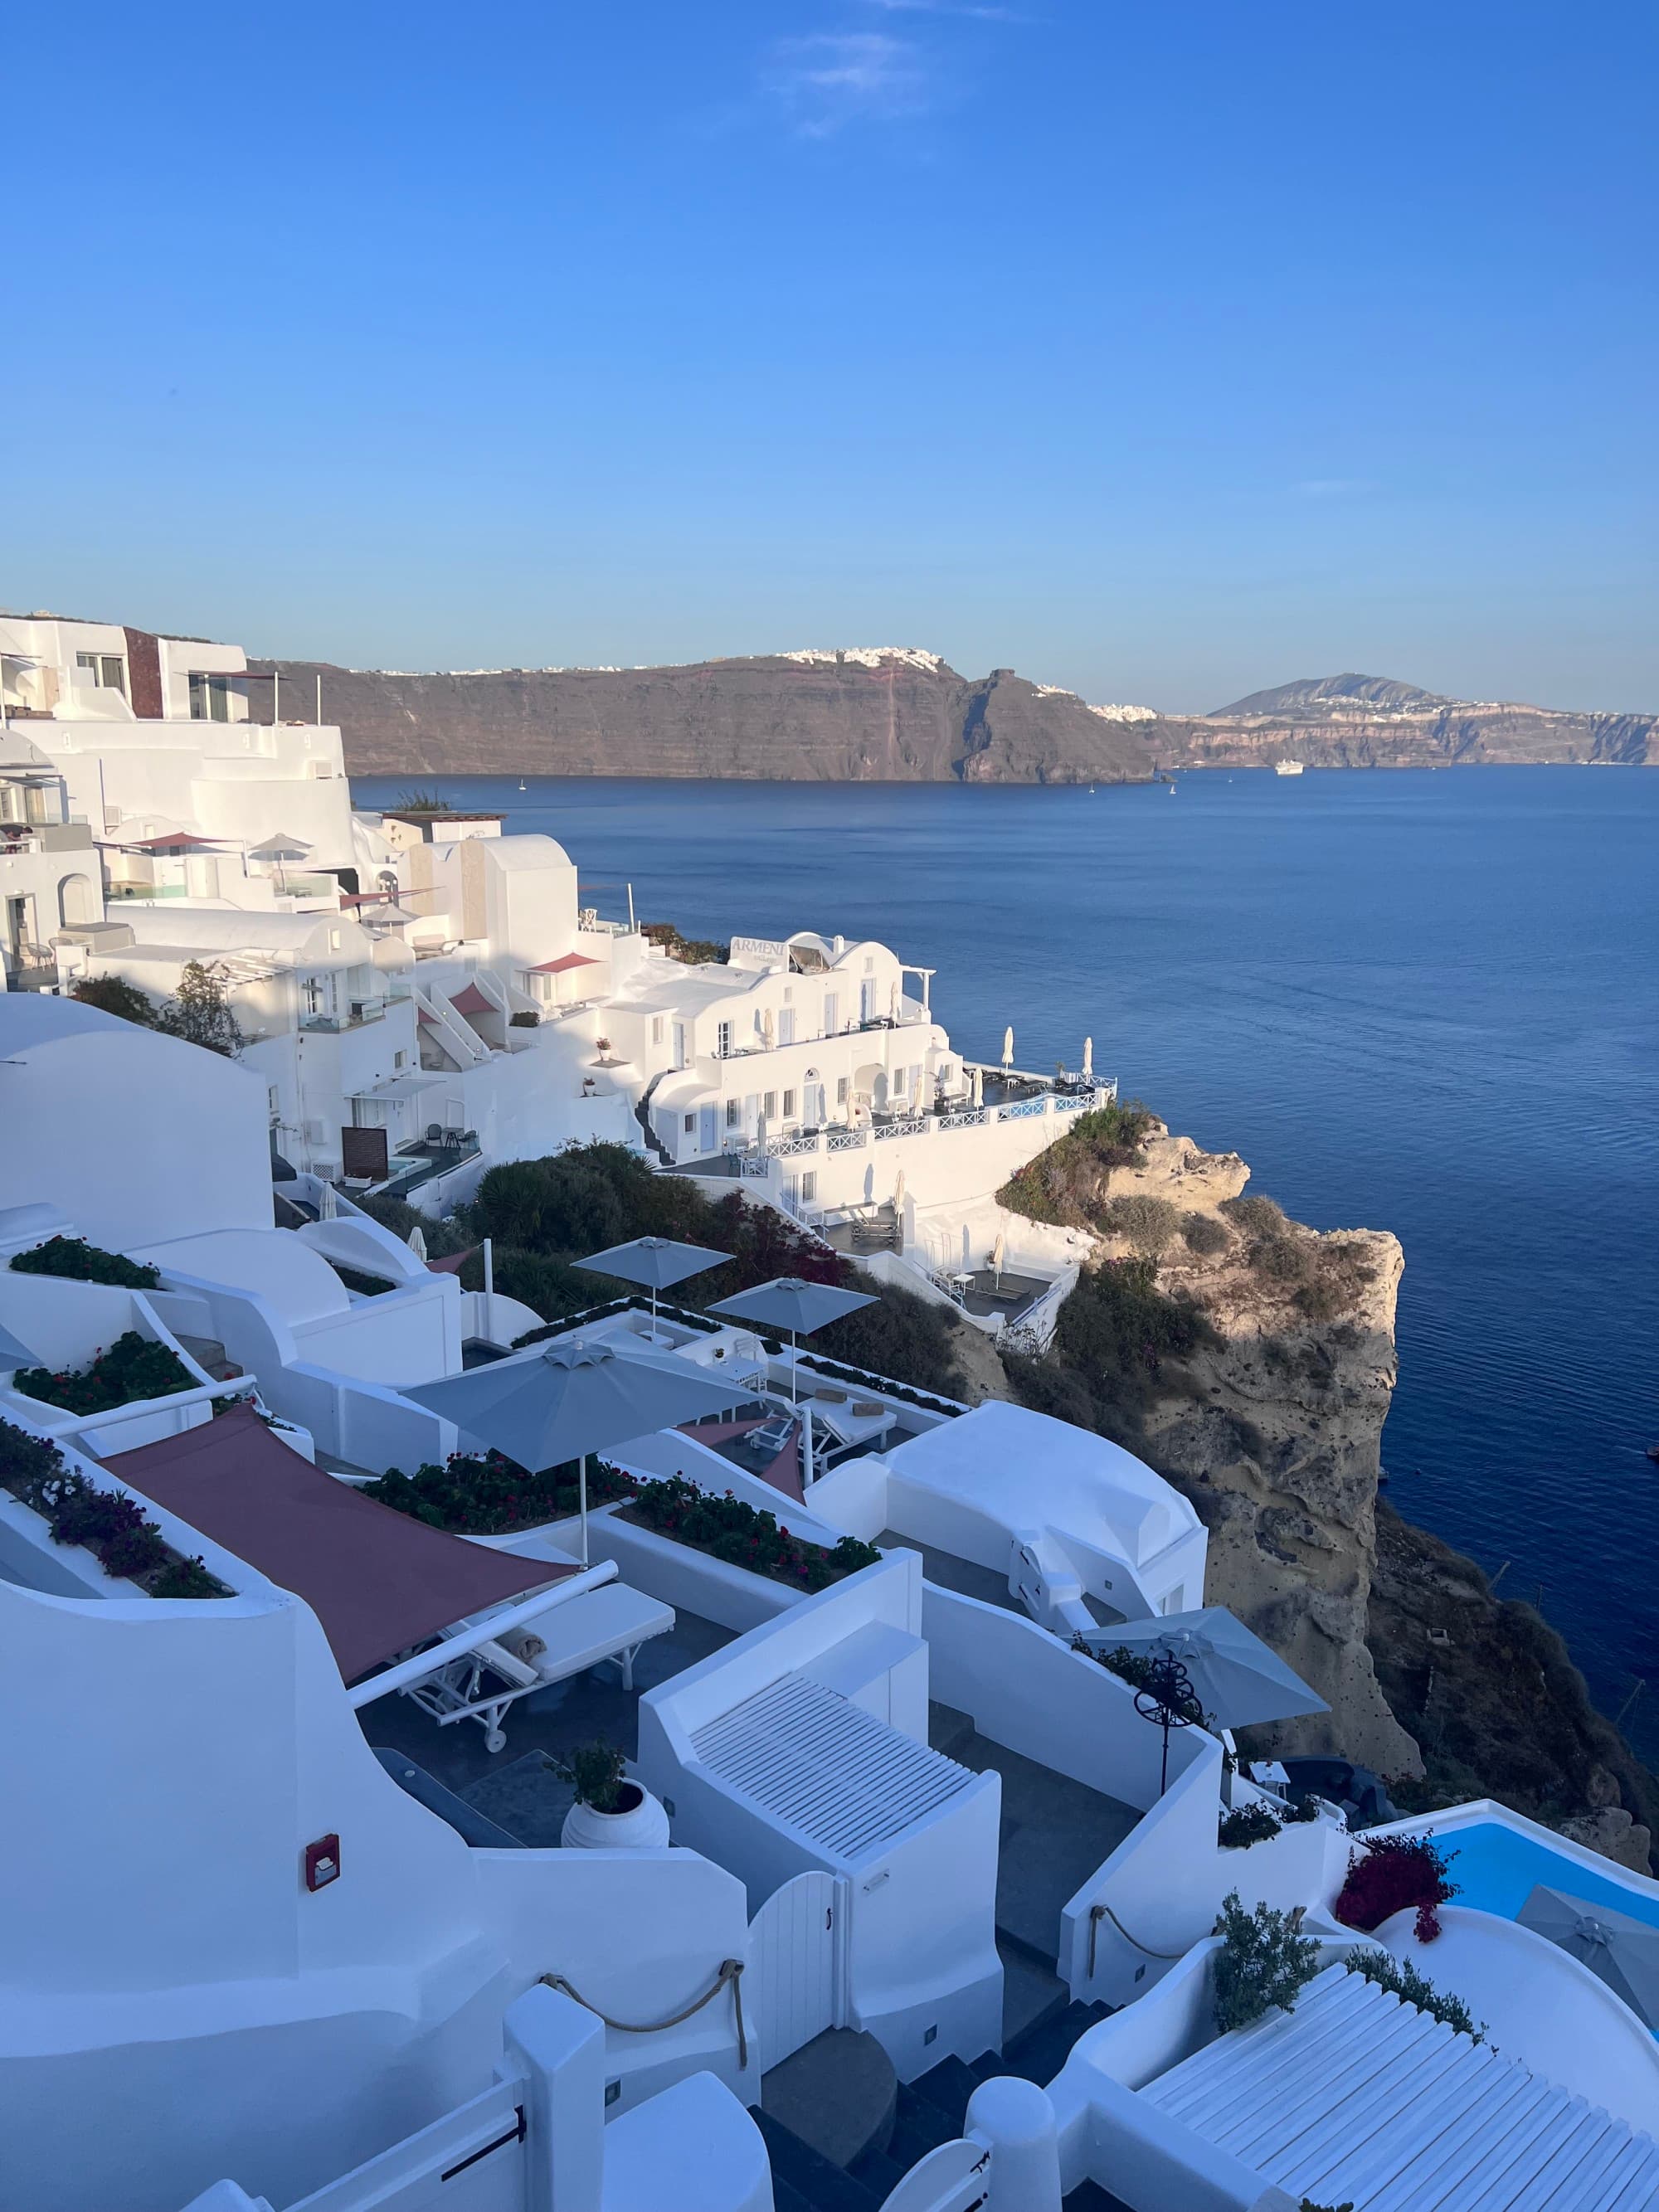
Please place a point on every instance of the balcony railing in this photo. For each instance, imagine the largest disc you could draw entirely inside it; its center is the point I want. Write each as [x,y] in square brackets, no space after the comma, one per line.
[360,1013]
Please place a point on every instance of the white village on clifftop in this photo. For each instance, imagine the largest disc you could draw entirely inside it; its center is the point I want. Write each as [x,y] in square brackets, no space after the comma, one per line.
[618,1742]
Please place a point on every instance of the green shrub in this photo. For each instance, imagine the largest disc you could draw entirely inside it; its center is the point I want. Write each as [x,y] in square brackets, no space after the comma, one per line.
[419,798]
[525,1018]
[1255,1216]
[1119,1327]
[594,1772]
[73,1258]
[1147,1223]
[133,1368]
[1415,1988]
[743,1536]
[1062,1184]
[113,994]
[1246,1824]
[186,1579]
[1204,1234]
[698,951]
[1264,1960]
[492,1496]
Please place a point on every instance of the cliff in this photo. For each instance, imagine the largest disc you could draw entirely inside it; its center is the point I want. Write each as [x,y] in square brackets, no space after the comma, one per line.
[893,716]
[902,715]
[1252,1361]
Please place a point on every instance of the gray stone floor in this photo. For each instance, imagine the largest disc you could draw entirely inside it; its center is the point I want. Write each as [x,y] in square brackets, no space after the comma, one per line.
[1056,1832]
[946,1572]
[516,1786]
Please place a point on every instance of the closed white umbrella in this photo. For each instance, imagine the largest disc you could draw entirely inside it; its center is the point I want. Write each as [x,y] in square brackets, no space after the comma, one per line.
[564,1400]
[1088,1055]
[768,1028]
[999,1252]
[417,1240]
[898,1192]
[1008,1046]
[328,1206]
[976,1087]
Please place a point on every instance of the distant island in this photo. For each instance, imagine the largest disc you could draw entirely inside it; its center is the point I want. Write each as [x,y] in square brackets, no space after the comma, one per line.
[899,714]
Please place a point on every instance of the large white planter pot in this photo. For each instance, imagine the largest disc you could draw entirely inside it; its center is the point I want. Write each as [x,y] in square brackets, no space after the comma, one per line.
[641,1827]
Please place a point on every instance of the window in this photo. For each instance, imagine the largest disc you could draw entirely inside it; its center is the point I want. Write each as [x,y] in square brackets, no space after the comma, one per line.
[690,1123]
[787,1025]
[397,1059]
[334,940]
[869,963]
[788,1105]
[210,697]
[789,994]
[841,1090]
[106,671]
[770,1105]
[808,1187]
[656,1029]
[734,1113]
[723,1040]
[831,1014]
[900,1086]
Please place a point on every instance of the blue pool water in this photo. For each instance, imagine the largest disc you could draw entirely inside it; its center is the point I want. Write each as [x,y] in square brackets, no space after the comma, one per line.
[1420,1002]
[1497,1869]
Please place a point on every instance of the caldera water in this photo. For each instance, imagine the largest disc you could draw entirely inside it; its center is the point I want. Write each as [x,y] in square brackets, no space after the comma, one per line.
[1425,1001]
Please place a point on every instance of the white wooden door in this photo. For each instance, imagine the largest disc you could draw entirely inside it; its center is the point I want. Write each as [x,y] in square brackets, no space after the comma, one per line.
[795,1974]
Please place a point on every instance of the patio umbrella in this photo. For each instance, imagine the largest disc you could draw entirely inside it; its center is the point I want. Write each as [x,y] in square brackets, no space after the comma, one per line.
[15,1353]
[654,1262]
[1088,1055]
[1622,1950]
[417,1240]
[998,1254]
[328,1204]
[977,1088]
[1235,1677]
[788,1302]
[1008,1046]
[899,1194]
[561,1400]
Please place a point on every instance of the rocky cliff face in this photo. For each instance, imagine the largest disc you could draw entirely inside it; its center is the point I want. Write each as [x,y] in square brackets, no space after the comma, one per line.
[888,716]
[902,715]
[1270,1420]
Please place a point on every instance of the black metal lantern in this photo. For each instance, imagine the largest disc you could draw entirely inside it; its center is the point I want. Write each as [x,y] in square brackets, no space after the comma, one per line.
[1167,1698]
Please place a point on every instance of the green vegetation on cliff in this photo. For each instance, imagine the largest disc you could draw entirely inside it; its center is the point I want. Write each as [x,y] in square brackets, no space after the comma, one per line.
[1062,1185]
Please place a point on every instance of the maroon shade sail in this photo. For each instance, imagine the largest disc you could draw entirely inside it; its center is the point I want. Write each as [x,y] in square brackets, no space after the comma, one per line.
[563,964]
[470,1000]
[377,1581]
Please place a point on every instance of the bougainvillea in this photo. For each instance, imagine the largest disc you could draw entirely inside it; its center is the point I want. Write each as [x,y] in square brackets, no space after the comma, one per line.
[1396,1873]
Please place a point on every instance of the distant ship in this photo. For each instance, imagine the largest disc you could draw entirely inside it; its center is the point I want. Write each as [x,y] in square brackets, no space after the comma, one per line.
[1288,768]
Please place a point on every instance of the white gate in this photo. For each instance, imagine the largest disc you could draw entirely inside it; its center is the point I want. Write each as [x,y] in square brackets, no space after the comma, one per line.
[797,1973]
[470,2160]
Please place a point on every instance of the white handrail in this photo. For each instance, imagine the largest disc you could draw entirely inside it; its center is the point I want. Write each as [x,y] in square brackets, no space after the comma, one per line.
[482,1631]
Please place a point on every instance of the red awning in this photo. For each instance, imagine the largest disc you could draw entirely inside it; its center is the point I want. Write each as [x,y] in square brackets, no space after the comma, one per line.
[377,1581]
[170,840]
[452,1262]
[470,1000]
[563,964]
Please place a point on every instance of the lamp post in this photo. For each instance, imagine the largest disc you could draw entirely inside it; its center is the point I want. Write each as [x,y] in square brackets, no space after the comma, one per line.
[1167,1698]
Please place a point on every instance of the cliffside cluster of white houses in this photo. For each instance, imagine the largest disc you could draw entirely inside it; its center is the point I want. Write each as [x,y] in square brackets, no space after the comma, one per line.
[424,996]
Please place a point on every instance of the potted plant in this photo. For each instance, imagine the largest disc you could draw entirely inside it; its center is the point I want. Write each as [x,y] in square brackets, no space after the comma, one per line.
[611,1813]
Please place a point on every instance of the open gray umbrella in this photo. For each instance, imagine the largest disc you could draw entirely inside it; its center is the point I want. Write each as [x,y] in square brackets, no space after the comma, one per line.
[656,1262]
[15,1353]
[1235,1677]
[563,1399]
[1624,1951]
[788,1302]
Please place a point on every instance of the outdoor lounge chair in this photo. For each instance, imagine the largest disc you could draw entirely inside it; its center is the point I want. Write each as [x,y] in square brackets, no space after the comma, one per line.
[604,1624]
[772,1436]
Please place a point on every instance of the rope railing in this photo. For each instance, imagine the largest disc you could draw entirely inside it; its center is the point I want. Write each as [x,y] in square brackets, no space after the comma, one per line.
[1099,1912]
[731,1972]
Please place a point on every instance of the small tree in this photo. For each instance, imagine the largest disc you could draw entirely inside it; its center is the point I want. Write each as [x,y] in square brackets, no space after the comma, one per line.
[1264,1960]
[199,1010]
[113,994]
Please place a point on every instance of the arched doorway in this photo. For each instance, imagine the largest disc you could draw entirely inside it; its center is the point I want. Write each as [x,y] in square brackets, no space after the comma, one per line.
[77,902]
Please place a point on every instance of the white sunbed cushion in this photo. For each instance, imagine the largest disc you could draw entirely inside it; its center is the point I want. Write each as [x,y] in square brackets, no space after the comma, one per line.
[595,1626]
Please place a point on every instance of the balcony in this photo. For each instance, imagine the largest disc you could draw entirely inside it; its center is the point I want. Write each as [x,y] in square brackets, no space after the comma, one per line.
[360,1013]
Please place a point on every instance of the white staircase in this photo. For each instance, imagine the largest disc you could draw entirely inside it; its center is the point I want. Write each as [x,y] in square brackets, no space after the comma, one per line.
[1357,2097]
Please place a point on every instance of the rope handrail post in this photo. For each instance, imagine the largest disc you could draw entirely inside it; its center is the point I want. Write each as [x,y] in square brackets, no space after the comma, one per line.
[730,1973]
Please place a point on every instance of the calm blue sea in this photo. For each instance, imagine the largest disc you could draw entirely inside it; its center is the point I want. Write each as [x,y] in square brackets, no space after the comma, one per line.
[1423,1001]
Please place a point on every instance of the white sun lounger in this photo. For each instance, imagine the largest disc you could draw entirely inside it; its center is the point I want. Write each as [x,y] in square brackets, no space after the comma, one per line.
[607,1625]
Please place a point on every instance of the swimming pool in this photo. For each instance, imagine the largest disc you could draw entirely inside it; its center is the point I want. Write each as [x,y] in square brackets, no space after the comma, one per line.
[1497,1869]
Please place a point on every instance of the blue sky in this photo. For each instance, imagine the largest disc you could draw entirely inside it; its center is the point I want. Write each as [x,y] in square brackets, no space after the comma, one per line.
[1163,350]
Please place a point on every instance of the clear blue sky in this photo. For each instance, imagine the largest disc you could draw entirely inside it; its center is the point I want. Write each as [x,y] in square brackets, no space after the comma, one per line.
[1164,349]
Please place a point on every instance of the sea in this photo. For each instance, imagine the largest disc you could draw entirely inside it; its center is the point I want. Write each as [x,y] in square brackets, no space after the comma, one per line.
[1422,1000]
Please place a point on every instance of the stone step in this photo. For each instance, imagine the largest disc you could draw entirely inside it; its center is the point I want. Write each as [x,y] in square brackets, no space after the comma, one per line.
[796,2166]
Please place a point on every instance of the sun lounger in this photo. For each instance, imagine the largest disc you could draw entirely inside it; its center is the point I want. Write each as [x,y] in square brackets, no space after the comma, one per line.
[604,1624]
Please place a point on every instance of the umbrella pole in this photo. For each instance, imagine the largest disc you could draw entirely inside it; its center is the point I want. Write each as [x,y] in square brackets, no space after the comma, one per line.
[581,1490]
[795,1379]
